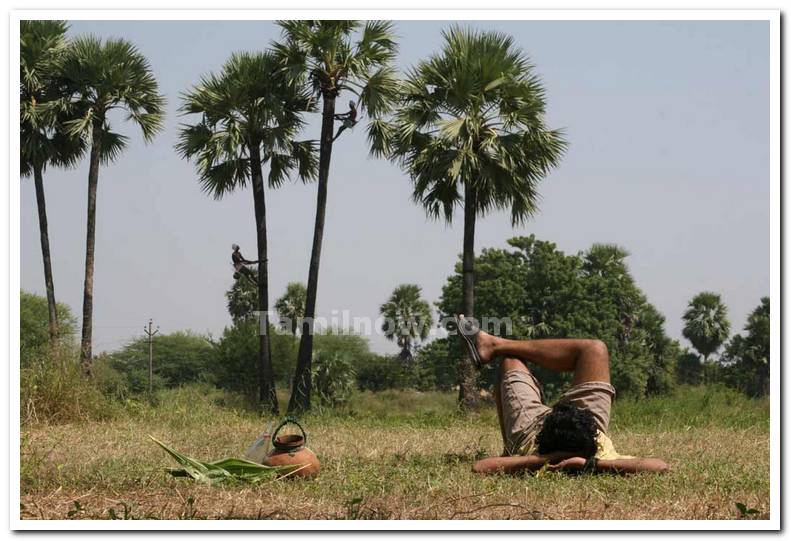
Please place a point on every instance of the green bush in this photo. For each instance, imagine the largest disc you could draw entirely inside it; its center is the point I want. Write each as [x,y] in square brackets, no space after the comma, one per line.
[689,370]
[546,293]
[179,358]
[381,373]
[234,360]
[108,380]
[745,362]
[333,379]
[56,391]
[352,347]
[34,327]
[435,366]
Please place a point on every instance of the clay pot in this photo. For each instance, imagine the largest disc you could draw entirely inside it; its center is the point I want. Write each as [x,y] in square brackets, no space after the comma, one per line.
[289,449]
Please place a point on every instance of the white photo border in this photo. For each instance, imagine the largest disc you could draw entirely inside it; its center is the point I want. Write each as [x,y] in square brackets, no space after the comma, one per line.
[772,16]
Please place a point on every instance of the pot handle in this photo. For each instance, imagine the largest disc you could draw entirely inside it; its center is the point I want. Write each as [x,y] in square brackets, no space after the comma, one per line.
[292,420]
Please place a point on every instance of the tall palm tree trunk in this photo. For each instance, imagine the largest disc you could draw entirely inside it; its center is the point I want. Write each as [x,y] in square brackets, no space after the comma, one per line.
[266,376]
[86,356]
[44,234]
[466,371]
[300,393]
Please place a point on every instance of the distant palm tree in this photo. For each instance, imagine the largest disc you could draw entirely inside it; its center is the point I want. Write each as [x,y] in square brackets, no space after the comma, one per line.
[249,117]
[326,56]
[102,77]
[408,318]
[606,260]
[291,306]
[470,131]
[42,47]
[706,323]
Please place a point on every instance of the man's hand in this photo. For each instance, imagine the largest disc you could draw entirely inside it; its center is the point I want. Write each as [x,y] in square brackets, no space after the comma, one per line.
[556,456]
[569,464]
[516,464]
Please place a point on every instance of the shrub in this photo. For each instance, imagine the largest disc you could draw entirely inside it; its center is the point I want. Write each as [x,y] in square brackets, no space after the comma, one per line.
[179,358]
[110,382]
[546,293]
[34,327]
[437,366]
[689,369]
[235,359]
[745,362]
[233,364]
[51,393]
[381,373]
[333,379]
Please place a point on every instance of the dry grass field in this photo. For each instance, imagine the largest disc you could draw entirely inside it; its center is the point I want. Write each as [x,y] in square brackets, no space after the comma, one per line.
[397,455]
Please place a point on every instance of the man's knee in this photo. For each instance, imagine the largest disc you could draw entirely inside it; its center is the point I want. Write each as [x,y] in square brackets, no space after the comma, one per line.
[512,363]
[593,363]
[597,349]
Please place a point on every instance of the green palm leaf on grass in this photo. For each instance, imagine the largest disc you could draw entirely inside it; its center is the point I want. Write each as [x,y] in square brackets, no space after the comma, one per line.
[225,469]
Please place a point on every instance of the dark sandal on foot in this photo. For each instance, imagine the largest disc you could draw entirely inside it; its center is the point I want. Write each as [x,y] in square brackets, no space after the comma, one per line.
[469,333]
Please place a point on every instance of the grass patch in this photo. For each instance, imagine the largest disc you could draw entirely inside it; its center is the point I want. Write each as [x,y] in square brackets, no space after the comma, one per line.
[56,391]
[396,455]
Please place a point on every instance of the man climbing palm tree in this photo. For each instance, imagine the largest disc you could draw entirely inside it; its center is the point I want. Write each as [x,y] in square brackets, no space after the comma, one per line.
[349,119]
[239,263]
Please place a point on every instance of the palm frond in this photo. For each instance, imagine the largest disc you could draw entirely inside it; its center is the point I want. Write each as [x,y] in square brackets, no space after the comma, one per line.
[251,102]
[474,114]
[44,138]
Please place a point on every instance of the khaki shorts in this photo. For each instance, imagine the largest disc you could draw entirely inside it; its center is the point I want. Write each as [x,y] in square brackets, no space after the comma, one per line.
[524,409]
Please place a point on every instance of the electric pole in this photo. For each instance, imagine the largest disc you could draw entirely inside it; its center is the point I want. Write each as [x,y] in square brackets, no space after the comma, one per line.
[150,356]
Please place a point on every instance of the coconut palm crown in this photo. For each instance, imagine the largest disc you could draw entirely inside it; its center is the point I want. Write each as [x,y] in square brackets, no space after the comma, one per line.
[408,318]
[43,141]
[341,56]
[111,75]
[244,110]
[472,118]
[706,323]
[291,306]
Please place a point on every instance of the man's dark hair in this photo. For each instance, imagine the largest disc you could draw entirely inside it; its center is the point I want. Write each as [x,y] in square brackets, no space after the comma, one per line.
[568,428]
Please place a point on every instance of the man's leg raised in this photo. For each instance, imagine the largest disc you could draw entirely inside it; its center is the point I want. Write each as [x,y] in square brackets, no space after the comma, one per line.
[588,359]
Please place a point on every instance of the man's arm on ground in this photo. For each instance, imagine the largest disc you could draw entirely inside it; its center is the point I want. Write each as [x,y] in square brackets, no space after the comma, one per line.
[566,461]
[619,465]
[516,464]
[633,465]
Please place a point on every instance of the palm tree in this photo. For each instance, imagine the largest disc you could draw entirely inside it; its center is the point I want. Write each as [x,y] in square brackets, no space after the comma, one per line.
[706,323]
[470,131]
[326,56]
[408,318]
[102,77]
[249,117]
[42,47]
[291,306]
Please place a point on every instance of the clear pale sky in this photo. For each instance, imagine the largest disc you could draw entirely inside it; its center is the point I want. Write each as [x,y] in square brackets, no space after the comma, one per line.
[668,125]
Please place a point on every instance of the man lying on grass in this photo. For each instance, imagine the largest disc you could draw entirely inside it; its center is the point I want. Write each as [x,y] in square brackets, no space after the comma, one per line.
[570,436]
